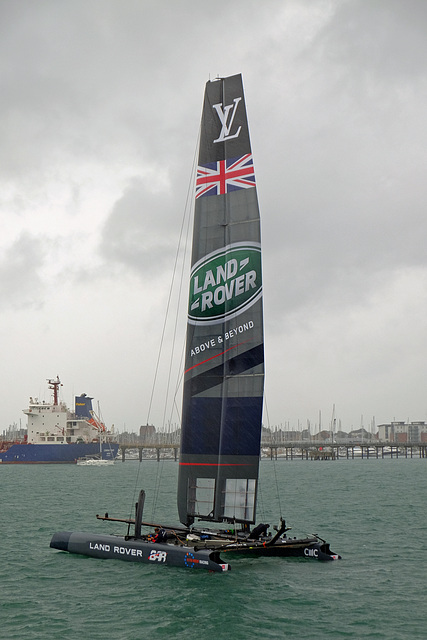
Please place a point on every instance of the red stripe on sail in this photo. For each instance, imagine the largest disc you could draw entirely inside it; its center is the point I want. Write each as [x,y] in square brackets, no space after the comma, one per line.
[212,464]
[212,357]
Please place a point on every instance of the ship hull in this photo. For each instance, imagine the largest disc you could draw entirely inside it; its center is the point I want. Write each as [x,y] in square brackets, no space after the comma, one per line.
[136,550]
[55,453]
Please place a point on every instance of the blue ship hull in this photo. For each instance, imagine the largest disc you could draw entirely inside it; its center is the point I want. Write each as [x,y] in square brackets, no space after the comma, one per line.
[55,453]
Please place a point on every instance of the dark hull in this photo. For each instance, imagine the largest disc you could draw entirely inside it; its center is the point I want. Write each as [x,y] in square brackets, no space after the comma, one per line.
[199,555]
[55,453]
[310,549]
[260,543]
[133,550]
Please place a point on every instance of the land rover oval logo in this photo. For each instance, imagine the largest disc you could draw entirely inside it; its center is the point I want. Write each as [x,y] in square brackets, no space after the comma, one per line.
[225,283]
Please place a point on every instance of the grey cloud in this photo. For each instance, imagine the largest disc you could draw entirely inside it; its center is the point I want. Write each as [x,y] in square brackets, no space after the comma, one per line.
[137,233]
[385,38]
[335,93]
[20,280]
[349,144]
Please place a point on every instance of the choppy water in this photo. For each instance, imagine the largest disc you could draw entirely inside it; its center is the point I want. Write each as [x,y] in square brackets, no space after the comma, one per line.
[373,512]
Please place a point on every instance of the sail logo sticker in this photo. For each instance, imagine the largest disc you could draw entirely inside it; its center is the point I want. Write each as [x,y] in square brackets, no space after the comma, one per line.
[160,556]
[226,117]
[191,561]
[225,283]
[224,176]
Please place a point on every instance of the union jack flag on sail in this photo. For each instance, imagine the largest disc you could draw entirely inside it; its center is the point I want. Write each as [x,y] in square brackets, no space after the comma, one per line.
[216,178]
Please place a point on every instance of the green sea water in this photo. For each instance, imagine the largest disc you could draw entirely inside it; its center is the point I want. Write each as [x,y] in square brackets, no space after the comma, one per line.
[373,512]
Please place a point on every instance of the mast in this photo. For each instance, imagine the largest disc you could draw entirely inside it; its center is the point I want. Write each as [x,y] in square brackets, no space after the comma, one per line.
[54,386]
[224,365]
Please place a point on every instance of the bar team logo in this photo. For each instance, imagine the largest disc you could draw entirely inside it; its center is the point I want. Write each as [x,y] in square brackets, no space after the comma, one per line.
[225,283]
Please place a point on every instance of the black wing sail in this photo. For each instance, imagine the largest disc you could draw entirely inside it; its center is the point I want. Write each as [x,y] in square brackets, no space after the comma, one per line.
[224,366]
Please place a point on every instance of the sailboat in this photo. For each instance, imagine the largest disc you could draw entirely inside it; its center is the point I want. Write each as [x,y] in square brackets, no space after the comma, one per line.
[224,373]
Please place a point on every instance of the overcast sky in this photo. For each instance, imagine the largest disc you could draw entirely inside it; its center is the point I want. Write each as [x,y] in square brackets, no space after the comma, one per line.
[99,114]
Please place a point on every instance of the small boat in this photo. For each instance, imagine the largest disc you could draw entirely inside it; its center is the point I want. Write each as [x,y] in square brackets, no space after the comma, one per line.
[224,374]
[57,435]
[99,460]
[94,462]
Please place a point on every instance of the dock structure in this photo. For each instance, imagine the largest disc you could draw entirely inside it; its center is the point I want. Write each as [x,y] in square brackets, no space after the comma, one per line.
[158,447]
[348,451]
[302,450]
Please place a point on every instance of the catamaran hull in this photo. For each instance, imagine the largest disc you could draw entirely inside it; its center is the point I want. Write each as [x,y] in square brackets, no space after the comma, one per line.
[297,549]
[132,550]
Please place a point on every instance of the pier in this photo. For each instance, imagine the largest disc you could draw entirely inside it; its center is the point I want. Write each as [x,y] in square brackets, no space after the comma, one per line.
[158,447]
[347,451]
[297,450]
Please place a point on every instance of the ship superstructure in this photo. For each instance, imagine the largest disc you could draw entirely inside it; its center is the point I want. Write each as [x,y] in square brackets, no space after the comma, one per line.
[53,422]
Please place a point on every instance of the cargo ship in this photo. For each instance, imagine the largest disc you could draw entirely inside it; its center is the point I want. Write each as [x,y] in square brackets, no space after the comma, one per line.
[55,434]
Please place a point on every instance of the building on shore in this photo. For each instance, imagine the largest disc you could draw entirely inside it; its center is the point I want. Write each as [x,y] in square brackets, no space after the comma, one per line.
[403,432]
[147,432]
[393,432]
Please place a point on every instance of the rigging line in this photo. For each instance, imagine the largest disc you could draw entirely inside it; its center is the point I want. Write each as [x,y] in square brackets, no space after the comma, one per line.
[180,368]
[180,374]
[182,249]
[260,500]
[159,475]
[178,250]
[183,244]
[159,470]
[178,383]
[165,323]
[273,461]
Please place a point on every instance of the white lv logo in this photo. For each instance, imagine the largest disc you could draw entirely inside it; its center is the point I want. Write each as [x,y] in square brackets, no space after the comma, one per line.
[223,115]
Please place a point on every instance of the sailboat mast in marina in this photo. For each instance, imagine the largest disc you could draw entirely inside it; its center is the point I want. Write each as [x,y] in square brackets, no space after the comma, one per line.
[224,373]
